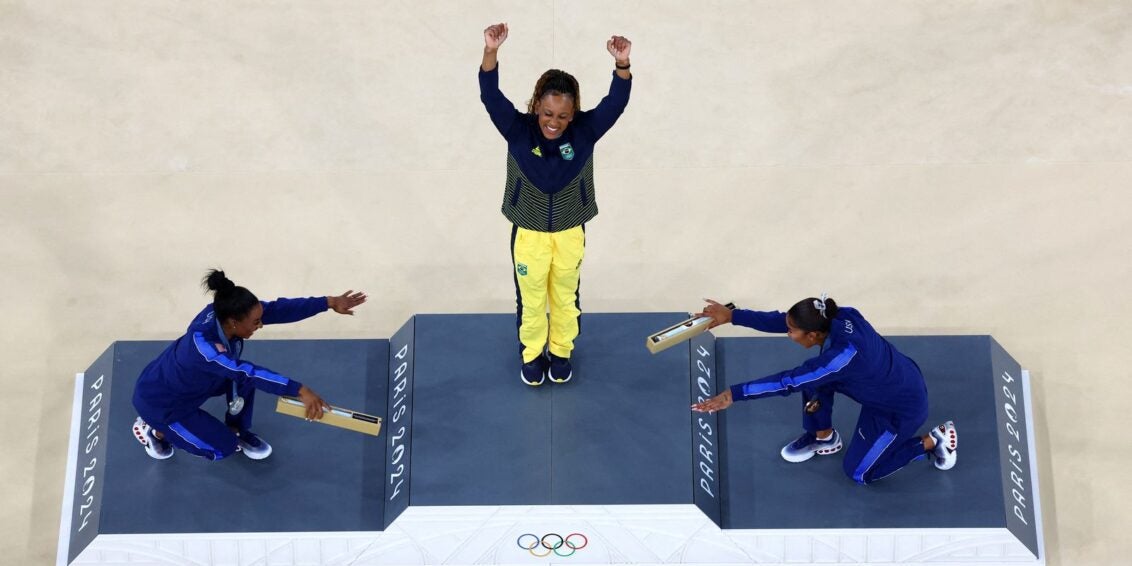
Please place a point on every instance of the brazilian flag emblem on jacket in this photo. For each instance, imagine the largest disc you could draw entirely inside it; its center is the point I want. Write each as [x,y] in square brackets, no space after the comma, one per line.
[521,268]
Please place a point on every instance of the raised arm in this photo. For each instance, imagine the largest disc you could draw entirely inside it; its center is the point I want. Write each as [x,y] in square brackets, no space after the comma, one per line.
[619,47]
[502,112]
[605,114]
[493,37]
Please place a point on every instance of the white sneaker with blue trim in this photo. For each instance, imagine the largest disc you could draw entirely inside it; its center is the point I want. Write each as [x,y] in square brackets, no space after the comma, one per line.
[806,446]
[253,446]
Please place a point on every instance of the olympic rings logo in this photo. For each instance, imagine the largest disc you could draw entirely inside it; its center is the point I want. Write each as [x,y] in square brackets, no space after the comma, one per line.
[533,542]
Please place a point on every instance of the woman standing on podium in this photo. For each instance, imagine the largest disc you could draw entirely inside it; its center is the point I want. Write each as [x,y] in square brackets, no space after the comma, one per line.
[205,362]
[549,196]
[857,362]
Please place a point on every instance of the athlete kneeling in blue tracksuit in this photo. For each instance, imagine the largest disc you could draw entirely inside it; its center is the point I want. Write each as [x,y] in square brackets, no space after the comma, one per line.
[205,362]
[858,363]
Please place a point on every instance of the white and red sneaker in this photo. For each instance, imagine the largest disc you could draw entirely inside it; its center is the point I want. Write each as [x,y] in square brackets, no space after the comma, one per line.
[946,443]
[155,447]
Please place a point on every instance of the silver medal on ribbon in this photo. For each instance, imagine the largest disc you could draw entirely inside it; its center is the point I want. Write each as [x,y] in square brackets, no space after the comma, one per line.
[237,403]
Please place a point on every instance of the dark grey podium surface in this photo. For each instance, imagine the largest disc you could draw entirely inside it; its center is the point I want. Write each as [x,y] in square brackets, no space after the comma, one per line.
[461,429]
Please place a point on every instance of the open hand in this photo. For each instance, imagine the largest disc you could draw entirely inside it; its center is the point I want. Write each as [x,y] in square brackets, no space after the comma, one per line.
[344,303]
[494,36]
[717,403]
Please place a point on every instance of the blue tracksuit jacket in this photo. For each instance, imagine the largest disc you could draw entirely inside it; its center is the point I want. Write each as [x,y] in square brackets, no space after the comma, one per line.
[856,362]
[202,363]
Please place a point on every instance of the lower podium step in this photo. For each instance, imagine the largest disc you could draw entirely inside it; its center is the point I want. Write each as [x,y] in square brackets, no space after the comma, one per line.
[471,463]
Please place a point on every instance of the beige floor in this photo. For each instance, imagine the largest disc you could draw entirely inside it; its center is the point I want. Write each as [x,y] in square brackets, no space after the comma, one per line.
[955,167]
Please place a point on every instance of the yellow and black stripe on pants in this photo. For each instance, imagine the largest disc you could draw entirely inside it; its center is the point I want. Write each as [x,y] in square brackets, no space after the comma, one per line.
[547,270]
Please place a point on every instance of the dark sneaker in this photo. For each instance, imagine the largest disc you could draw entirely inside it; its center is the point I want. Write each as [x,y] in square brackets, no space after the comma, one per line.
[560,369]
[804,447]
[534,372]
[253,446]
[156,448]
[946,443]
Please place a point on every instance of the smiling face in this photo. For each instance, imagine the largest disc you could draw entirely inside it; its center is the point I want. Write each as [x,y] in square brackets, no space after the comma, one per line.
[246,326]
[555,111]
[804,338]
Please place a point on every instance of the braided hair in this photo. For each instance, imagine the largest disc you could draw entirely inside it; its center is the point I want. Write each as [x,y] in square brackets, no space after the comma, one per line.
[555,82]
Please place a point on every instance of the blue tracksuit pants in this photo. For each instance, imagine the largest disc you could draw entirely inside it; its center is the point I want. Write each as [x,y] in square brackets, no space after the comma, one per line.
[879,445]
[204,435]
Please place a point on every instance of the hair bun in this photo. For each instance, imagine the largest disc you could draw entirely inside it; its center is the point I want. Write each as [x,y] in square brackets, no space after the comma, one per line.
[831,308]
[216,281]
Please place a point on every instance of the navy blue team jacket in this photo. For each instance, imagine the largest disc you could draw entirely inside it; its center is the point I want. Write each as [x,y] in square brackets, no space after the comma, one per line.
[203,362]
[548,169]
[856,362]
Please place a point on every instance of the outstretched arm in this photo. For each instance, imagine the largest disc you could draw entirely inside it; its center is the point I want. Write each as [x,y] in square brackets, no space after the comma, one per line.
[314,404]
[718,312]
[717,403]
[216,362]
[345,303]
[764,321]
[282,311]
[813,373]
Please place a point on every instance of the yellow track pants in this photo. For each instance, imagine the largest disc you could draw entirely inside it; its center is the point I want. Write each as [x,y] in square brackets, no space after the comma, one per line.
[547,273]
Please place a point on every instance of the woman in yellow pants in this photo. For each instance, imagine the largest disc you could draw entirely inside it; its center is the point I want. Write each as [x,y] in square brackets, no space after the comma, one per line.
[549,197]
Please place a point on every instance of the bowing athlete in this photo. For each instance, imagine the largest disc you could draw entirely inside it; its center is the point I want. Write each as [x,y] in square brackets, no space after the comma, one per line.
[854,361]
[205,362]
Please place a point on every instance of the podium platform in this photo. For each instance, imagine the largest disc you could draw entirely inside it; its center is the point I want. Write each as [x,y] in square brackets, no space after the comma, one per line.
[470,459]
[568,444]
[819,495]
